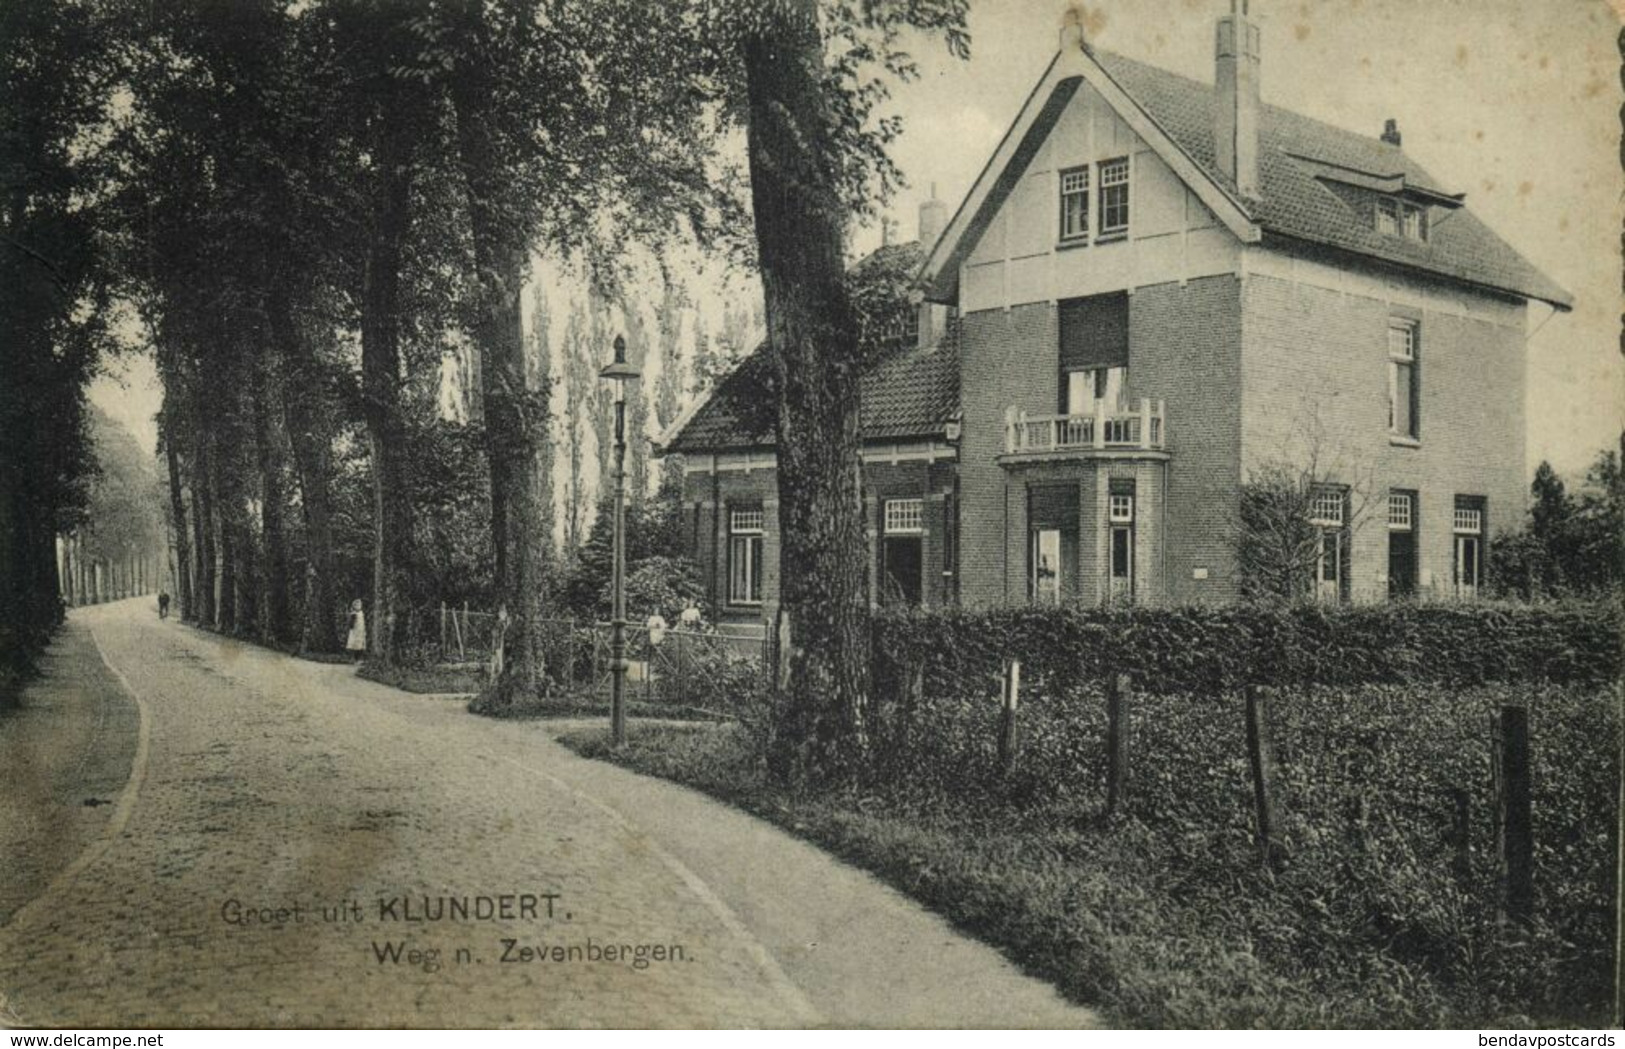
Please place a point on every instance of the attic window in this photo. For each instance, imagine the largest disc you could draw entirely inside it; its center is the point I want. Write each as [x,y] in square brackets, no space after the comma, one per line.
[1397,218]
[1075,203]
[1114,196]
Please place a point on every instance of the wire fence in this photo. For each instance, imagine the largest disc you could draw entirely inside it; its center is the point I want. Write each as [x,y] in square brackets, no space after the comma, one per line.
[694,668]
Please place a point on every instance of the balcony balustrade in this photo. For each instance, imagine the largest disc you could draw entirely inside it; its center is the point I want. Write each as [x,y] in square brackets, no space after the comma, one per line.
[1115,428]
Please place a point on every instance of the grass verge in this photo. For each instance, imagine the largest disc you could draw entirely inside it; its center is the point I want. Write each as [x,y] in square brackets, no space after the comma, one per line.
[425,680]
[1156,926]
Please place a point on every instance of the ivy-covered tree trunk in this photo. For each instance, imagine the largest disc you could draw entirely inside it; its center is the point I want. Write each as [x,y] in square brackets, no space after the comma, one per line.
[307,417]
[177,513]
[515,413]
[203,522]
[381,389]
[273,567]
[800,219]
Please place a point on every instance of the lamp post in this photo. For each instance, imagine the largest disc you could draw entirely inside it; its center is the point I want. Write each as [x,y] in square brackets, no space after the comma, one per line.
[619,371]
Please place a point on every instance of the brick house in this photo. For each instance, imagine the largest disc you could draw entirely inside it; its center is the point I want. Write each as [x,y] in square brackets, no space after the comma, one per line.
[1155,288]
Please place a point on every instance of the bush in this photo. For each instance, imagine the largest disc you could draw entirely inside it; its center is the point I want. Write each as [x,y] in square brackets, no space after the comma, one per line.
[1201,649]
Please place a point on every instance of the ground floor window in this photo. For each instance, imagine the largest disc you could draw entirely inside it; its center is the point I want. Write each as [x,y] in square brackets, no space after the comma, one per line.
[1052,558]
[1120,521]
[902,552]
[745,532]
[1329,514]
[1467,528]
[1046,566]
[1402,571]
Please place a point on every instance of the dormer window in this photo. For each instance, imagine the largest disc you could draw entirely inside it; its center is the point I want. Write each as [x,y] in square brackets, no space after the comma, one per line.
[1397,218]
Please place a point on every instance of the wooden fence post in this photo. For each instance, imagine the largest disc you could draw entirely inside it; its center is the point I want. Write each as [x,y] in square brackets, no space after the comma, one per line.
[1117,744]
[1008,736]
[1261,755]
[913,699]
[1514,837]
[1462,831]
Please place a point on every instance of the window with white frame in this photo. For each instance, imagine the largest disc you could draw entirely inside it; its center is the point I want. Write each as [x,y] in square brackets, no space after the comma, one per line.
[1401,513]
[902,552]
[1413,222]
[1388,216]
[1114,196]
[1326,507]
[905,516]
[1398,218]
[1403,401]
[1467,527]
[1122,509]
[1075,203]
[745,532]
[1402,546]
[1328,514]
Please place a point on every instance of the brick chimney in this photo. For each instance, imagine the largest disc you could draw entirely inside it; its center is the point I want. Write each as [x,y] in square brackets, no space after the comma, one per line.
[933,217]
[1390,131]
[1236,110]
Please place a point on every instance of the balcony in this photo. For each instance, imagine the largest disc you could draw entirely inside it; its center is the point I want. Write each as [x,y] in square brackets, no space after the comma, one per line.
[1104,431]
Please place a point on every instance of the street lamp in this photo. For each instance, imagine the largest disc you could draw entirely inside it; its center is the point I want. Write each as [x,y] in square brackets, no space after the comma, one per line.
[619,371]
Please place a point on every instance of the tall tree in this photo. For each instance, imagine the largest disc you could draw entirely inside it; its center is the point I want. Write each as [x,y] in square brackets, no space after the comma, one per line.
[814,154]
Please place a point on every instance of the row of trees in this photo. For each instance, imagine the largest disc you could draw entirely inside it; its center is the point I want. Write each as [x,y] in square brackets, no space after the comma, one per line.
[303,206]
[53,90]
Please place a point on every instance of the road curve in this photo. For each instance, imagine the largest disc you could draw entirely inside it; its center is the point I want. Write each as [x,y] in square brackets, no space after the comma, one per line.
[287,832]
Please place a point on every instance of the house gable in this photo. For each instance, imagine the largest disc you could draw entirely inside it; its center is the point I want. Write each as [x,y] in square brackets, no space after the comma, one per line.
[1020,256]
[1011,213]
[1300,161]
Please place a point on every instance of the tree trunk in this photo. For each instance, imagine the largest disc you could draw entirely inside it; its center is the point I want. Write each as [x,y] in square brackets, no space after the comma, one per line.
[307,416]
[812,332]
[381,381]
[273,568]
[183,547]
[203,520]
[515,413]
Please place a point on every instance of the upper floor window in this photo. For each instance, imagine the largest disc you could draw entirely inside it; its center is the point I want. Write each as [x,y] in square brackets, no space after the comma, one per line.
[1114,196]
[1093,353]
[1403,402]
[1398,218]
[1074,203]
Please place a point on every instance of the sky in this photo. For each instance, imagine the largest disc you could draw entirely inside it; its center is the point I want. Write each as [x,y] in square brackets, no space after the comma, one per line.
[1514,103]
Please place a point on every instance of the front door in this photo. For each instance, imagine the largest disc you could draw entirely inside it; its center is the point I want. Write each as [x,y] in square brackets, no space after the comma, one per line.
[1046,566]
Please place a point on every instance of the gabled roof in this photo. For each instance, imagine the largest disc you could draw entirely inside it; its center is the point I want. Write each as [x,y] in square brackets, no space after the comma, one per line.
[905,392]
[1297,157]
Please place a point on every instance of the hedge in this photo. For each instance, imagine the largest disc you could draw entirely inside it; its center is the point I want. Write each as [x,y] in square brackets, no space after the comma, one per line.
[1215,649]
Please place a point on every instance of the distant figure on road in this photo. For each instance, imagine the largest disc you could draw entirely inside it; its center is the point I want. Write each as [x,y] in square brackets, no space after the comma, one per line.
[163,604]
[356,643]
